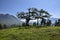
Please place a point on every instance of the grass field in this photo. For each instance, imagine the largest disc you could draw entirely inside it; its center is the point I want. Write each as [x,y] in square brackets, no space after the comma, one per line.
[42,33]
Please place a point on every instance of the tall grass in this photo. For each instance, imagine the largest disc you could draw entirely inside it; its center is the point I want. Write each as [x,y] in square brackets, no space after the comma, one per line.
[33,33]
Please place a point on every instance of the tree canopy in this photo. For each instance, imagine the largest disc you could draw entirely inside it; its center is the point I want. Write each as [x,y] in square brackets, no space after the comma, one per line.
[33,13]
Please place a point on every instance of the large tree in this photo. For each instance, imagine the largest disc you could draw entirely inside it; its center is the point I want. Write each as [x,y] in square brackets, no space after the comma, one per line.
[34,13]
[27,15]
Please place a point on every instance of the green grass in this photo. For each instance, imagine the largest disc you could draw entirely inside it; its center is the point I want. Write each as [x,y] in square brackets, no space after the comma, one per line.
[42,33]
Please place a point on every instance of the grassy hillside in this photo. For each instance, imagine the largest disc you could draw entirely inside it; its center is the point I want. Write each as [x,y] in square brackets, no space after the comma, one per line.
[43,33]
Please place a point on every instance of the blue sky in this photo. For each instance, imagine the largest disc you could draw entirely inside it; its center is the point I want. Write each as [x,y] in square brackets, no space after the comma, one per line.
[14,6]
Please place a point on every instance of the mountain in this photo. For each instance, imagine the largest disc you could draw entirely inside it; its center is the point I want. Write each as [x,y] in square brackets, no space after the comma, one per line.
[9,20]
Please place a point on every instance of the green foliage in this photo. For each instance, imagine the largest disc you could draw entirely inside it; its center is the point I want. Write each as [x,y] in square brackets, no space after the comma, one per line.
[33,13]
[43,33]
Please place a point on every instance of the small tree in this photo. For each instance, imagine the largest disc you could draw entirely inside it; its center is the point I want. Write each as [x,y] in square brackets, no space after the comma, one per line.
[49,22]
[0,26]
[58,23]
[5,26]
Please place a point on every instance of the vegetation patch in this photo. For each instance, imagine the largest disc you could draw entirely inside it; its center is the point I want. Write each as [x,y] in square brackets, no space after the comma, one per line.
[33,33]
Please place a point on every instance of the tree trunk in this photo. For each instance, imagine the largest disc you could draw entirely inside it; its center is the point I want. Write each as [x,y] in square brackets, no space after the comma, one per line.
[43,21]
[37,22]
[27,21]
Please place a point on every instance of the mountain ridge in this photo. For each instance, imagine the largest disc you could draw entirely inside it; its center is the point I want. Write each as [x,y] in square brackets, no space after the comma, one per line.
[9,19]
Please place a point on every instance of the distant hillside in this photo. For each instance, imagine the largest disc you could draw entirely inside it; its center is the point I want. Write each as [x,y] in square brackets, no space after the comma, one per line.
[9,19]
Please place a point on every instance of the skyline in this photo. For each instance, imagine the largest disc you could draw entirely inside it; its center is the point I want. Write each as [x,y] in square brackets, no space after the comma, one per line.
[14,6]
